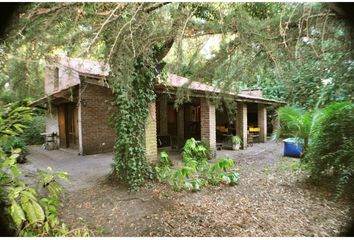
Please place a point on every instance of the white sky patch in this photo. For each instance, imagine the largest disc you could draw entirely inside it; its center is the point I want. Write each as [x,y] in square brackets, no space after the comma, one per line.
[211,45]
[7,86]
[306,40]
[326,81]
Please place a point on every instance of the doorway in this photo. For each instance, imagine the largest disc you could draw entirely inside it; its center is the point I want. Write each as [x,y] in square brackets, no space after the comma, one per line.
[68,131]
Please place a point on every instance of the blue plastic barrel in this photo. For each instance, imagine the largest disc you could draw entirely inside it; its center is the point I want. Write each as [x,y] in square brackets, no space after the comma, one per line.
[292,148]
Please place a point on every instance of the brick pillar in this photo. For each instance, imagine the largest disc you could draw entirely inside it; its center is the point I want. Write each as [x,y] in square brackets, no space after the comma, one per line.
[163,115]
[208,124]
[241,123]
[262,122]
[150,135]
[180,125]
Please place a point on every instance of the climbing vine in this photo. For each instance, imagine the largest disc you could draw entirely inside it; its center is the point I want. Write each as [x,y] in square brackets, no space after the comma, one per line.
[130,164]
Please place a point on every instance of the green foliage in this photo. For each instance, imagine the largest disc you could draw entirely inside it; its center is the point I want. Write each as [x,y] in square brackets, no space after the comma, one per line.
[195,151]
[29,214]
[31,134]
[130,163]
[196,172]
[294,122]
[165,159]
[295,166]
[221,171]
[236,140]
[332,145]
[287,49]
[13,119]
[262,10]
[9,143]
[297,52]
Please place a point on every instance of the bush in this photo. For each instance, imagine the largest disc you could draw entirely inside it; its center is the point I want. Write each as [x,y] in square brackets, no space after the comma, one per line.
[196,172]
[294,122]
[31,134]
[331,150]
[12,142]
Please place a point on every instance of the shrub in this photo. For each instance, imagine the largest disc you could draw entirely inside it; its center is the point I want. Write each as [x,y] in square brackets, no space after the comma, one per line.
[9,143]
[25,211]
[196,172]
[12,142]
[165,159]
[31,134]
[196,150]
[294,122]
[332,146]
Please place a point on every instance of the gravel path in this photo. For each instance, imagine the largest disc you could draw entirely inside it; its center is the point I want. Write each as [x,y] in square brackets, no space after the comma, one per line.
[270,200]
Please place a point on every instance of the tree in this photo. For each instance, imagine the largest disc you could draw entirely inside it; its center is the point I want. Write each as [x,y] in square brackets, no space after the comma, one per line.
[261,44]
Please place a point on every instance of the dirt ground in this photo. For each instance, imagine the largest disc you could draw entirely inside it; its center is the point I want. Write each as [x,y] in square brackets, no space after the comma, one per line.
[270,200]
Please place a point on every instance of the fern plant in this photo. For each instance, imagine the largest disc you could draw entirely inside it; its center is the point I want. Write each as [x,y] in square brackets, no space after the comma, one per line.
[332,145]
[296,123]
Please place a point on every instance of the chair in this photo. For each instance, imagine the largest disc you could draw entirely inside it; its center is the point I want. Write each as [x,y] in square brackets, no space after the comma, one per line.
[254,132]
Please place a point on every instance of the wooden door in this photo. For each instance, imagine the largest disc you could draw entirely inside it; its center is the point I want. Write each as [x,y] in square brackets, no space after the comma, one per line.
[71,117]
[62,126]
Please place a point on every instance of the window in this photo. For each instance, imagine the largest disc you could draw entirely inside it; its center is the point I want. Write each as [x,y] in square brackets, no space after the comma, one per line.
[56,78]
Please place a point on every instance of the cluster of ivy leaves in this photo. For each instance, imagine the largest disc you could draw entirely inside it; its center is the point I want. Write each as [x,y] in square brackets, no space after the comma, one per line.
[130,164]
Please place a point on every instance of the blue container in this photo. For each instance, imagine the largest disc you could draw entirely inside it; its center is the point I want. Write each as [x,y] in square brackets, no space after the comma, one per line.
[292,147]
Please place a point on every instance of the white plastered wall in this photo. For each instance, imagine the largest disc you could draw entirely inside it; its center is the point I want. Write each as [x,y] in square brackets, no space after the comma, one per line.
[52,124]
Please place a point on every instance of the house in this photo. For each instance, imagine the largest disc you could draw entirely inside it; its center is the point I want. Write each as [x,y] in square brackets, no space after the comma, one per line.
[78,102]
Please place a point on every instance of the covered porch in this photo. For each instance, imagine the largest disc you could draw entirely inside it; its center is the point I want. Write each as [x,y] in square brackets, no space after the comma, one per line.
[201,119]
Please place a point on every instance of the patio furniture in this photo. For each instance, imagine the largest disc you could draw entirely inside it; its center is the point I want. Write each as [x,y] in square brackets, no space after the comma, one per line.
[219,146]
[51,142]
[254,132]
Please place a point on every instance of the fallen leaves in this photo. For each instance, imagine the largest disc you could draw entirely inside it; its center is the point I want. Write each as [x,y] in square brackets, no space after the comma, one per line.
[267,202]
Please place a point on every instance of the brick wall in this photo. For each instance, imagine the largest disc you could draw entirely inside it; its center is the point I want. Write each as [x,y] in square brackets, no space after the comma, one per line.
[208,124]
[150,135]
[97,135]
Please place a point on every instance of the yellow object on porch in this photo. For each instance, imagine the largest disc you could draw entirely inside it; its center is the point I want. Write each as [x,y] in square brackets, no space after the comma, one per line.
[254,129]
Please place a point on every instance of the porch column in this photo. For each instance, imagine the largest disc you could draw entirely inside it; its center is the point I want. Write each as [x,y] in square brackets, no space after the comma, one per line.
[180,125]
[163,115]
[275,120]
[208,124]
[241,123]
[262,122]
[150,135]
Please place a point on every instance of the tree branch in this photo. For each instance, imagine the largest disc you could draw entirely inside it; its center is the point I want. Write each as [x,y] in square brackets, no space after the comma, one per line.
[154,7]
[102,26]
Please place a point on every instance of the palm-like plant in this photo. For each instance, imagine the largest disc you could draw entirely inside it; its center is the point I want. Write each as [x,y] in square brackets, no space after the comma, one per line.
[294,122]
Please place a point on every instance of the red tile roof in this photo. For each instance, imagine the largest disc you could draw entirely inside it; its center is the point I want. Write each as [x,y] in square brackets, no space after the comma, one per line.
[85,66]
[178,81]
